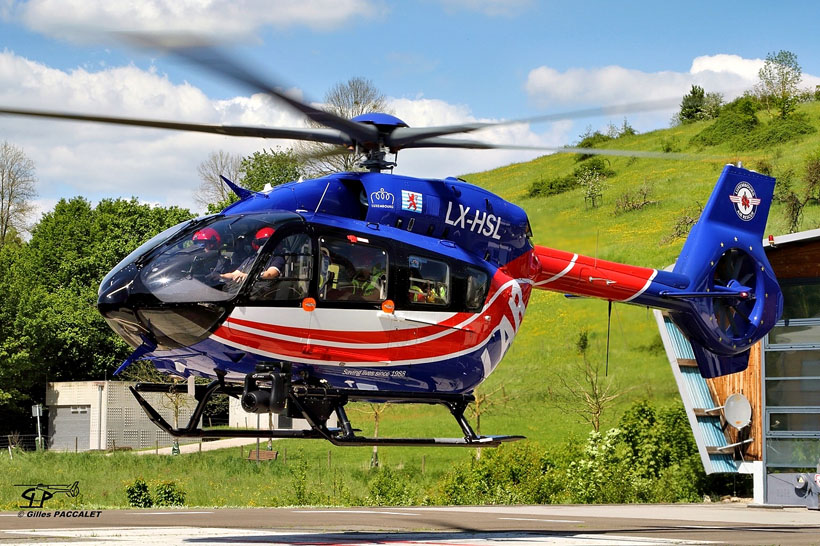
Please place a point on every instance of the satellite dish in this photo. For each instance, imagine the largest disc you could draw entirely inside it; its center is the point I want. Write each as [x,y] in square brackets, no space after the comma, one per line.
[737,411]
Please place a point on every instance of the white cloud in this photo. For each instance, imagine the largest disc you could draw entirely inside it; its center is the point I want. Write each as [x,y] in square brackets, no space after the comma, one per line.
[730,75]
[74,19]
[729,64]
[97,161]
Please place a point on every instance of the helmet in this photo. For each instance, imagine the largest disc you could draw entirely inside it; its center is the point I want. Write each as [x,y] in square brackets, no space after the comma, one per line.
[261,237]
[208,237]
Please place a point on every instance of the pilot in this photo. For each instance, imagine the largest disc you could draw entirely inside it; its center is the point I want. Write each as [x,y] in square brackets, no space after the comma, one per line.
[272,270]
[208,262]
[208,237]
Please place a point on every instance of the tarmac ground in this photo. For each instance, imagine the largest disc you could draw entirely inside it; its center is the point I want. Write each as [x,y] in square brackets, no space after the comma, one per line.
[530,525]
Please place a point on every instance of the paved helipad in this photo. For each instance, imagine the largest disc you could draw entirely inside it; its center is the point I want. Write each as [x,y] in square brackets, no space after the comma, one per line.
[565,525]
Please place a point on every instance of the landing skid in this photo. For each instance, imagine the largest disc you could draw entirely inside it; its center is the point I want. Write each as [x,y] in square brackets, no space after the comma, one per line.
[315,404]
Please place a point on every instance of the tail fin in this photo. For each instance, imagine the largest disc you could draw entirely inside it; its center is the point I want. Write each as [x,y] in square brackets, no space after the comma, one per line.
[735,299]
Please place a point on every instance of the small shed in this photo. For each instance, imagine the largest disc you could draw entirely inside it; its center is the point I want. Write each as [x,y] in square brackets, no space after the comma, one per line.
[84,415]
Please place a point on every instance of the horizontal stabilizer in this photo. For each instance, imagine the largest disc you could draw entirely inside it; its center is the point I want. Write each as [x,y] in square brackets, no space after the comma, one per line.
[712,365]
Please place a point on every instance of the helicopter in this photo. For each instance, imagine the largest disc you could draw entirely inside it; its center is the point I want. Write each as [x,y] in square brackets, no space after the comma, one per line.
[373,286]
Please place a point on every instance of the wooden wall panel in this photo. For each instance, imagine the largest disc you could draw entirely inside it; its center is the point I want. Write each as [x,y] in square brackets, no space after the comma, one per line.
[795,260]
[748,384]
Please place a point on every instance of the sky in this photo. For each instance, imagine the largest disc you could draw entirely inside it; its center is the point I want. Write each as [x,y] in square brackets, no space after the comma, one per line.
[437,62]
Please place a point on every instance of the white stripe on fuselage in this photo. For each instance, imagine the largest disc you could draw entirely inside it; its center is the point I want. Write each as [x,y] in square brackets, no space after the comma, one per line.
[645,286]
[365,321]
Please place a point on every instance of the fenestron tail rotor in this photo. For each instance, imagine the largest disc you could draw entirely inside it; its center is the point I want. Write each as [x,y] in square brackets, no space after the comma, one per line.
[736,270]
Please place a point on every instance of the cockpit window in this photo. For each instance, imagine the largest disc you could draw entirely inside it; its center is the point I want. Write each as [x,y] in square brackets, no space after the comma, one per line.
[352,270]
[210,261]
[429,281]
[148,245]
[287,271]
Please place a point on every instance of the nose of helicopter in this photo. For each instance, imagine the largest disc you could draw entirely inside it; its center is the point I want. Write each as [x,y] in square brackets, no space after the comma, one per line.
[139,316]
[117,306]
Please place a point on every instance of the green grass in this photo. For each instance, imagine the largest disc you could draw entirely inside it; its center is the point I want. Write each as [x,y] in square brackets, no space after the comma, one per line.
[223,477]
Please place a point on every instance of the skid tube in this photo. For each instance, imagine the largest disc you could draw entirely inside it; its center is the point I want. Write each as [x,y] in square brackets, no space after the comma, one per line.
[315,405]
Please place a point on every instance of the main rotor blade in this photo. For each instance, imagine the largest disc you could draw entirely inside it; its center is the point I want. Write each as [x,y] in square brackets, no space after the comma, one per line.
[478,145]
[328,136]
[218,62]
[403,136]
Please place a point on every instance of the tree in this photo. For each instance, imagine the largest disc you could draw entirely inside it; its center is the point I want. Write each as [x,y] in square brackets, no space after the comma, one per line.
[583,391]
[376,410]
[699,105]
[16,190]
[272,167]
[691,107]
[49,325]
[352,98]
[779,81]
[593,184]
[213,189]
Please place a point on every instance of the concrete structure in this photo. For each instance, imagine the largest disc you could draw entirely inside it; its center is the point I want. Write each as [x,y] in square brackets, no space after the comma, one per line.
[87,415]
[782,384]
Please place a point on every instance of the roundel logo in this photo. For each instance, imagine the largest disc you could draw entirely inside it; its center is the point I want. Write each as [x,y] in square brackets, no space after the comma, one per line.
[745,201]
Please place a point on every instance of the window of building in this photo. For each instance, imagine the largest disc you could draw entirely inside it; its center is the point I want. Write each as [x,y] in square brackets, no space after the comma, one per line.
[429,281]
[792,380]
[352,269]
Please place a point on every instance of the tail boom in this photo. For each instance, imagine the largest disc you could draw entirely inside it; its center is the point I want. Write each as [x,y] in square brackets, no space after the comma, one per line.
[722,292]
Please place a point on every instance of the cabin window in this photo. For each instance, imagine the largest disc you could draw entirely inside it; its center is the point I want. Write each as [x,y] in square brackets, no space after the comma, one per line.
[352,270]
[429,281]
[286,272]
[476,289]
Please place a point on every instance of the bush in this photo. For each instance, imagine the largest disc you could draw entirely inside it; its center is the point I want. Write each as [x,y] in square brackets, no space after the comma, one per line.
[552,187]
[777,131]
[389,488]
[670,145]
[168,494]
[595,166]
[512,473]
[731,125]
[634,200]
[591,140]
[138,495]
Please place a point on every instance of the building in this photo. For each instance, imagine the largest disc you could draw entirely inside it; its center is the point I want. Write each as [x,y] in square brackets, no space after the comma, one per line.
[782,384]
[84,415]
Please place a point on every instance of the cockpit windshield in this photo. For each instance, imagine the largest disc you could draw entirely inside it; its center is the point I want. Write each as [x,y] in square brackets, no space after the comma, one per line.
[210,261]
